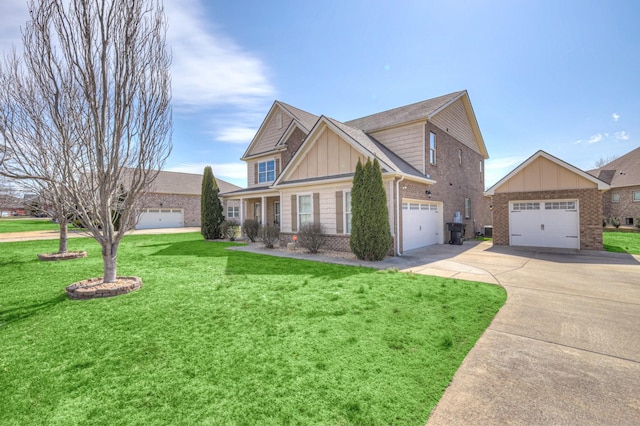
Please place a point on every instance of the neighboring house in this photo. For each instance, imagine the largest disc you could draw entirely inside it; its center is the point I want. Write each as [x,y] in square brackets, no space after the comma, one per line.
[545,202]
[174,201]
[300,169]
[623,199]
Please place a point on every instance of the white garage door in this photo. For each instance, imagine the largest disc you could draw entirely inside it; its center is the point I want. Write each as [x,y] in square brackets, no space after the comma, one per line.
[161,218]
[419,224]
[551,223]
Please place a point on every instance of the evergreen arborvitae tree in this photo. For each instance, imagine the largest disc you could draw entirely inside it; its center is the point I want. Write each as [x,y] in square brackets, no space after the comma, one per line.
[211,216]
[370,234]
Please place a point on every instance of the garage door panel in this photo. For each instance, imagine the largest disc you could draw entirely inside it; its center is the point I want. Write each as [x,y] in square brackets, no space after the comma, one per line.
[550,223]
[419,225]
[160,218]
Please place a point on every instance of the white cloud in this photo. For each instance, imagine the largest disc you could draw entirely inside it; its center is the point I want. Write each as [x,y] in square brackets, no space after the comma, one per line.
[238,135]
[621,136]
[595,138]
[615,116]
[13,15]
[209,68]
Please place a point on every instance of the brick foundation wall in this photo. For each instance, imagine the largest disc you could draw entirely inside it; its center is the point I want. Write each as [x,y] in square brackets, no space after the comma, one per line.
[335,242]
[589,202]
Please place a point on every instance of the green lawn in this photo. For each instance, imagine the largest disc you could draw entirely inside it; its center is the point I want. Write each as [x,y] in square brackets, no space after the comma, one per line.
[22,225]
[223,337]
[622,242]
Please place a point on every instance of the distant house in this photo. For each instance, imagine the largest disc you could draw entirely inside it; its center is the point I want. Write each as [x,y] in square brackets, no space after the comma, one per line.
[300,168]
[623,199]
[174,201]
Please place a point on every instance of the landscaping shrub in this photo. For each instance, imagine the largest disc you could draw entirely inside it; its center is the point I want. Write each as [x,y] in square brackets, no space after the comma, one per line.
[370,234]
[312,236]
[211,216]
[615,221]
[637,221]
[230,229]
[251,228]
[270,235]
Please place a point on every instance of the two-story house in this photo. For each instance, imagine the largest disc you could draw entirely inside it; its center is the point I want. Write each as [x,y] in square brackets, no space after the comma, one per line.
[300,169]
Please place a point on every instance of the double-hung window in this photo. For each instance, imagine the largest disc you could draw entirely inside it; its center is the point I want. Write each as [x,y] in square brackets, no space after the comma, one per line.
[267,171]
[233,212]
[636,196]
[432,148]
[347,212]
[305,209]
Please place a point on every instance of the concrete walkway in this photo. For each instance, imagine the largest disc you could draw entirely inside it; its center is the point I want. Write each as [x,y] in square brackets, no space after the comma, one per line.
[564,349]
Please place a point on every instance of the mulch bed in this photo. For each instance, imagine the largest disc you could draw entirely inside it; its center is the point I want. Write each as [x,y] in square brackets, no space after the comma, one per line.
[96,287]
[62,256]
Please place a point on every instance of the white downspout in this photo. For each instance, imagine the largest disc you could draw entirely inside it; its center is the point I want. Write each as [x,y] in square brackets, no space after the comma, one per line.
[398,206]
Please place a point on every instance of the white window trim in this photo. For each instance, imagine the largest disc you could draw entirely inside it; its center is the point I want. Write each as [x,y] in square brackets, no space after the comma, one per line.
[233,212]
[266,170]
[433,149]
[615,197]
[467,208]
[304,194]
[344,213]
[633,197]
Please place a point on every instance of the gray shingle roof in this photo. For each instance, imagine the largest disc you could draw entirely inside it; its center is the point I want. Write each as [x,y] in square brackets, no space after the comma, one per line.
[623,171]
[185,183]
[404,114]
[390,161]
[305,118]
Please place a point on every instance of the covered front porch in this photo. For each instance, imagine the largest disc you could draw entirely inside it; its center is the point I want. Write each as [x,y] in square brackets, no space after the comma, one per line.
[263,206]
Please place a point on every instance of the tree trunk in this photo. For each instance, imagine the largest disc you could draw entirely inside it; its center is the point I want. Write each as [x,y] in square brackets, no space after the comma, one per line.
[109,258]
[64,234]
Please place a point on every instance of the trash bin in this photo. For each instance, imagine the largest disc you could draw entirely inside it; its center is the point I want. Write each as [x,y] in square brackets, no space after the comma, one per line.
[457,231]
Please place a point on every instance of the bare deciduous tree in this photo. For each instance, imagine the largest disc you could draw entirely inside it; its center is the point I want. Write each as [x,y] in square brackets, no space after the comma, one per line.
[602,161]
[93,96]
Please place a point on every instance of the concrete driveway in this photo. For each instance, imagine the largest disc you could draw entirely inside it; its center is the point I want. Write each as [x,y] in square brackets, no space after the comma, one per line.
[565,348]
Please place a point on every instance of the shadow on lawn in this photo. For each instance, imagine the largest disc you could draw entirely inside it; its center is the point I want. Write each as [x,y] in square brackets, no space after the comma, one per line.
[9,316]
[241,263]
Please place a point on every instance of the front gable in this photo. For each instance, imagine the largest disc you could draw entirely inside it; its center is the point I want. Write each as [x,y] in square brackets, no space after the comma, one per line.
[543,172]
[270,132]
[326,153]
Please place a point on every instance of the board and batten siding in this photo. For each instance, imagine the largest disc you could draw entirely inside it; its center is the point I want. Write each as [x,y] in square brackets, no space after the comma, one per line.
[455,121]
[328,155]
[406,142]
[544,175]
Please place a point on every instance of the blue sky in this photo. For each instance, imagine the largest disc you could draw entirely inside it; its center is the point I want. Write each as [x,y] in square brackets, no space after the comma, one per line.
[562,76]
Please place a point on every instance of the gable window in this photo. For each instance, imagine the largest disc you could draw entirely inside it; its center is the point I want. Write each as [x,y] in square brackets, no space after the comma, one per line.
[636,196]
[305,209]
[615,198]
[267,171]
[432,148]
[460,157]
[233,212]
[347,212]
[467,208]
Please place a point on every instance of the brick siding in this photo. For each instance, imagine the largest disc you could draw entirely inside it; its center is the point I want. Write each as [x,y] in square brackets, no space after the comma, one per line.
[625,208]
[590,205]
[189,203]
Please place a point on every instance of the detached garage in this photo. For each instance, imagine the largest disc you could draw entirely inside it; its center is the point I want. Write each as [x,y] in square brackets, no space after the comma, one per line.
[545,202]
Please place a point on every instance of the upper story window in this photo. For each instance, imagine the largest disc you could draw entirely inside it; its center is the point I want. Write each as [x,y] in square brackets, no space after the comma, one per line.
[432,148]
[267,171]
[615,198]
[636,196]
